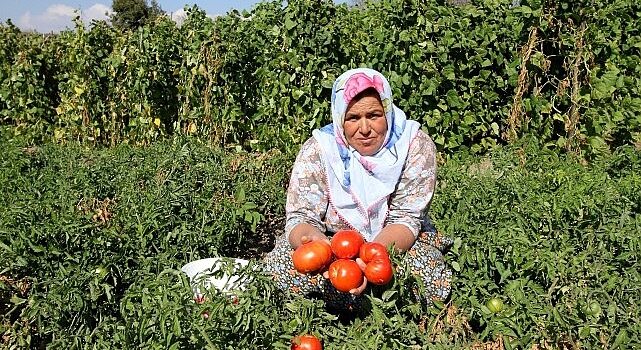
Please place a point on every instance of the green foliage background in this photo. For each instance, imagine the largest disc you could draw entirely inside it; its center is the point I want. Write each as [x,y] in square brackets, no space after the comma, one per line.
[91,237]
[475,75]
[92,240]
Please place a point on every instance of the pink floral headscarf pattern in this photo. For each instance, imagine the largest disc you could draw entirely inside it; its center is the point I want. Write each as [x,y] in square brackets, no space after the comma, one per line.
[358,82]
[360,185]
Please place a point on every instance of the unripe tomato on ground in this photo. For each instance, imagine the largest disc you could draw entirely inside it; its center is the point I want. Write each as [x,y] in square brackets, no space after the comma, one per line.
[312,256]
[371,250]
[345,275]
[346,244]
[495,305]
[100,271]
[306,342]
[379,271]
[592,308]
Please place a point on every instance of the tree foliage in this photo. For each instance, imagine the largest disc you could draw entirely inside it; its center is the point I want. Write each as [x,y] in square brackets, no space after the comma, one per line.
[131,14]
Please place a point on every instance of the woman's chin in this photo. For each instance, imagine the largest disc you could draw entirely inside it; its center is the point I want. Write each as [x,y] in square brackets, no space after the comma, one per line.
[366,147]
[367,151]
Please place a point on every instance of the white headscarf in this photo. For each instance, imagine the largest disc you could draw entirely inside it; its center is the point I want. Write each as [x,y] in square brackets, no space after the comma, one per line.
[359,186]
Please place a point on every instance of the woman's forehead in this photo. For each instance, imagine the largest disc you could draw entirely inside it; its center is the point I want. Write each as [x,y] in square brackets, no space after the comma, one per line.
[365,104]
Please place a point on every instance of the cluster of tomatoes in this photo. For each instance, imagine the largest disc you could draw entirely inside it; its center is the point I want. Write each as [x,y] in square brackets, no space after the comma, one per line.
[339,256]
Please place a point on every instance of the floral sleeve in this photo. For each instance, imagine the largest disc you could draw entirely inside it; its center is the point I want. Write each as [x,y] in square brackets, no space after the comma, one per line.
[306,195]
[410,202]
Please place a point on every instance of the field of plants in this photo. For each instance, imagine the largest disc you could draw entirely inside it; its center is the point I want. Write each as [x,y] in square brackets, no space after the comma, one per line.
[126,154]
[92,242]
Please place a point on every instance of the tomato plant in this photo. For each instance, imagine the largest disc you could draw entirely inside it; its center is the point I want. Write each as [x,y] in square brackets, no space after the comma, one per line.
[306,342]
[379,271]
[346,244]
[371,250]
[312,256]
[345,275]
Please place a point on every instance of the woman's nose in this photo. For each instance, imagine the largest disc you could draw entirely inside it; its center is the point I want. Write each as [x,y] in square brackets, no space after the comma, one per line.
[364,127]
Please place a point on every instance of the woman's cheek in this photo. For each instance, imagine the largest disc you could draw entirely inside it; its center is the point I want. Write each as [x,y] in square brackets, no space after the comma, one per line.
[350,130]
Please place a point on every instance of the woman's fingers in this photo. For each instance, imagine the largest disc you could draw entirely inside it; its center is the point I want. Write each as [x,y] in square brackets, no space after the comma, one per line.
[313,237]
[361,289]
[320,237]
[361,264]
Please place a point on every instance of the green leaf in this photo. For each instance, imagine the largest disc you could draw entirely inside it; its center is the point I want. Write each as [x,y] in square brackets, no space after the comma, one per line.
[584,332]
[240,195]
[495,128]
[297,94]
[17,300]
[289,24]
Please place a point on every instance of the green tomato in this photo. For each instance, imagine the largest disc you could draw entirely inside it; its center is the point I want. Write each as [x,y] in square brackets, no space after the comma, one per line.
[495,305]
[100,272]
[592,308]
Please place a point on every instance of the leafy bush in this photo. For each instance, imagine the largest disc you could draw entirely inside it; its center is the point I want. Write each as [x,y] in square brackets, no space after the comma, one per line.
[474,75]
[92,240]
[549,236]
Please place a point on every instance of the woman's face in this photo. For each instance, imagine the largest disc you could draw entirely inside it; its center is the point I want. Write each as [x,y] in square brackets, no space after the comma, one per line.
[365,124]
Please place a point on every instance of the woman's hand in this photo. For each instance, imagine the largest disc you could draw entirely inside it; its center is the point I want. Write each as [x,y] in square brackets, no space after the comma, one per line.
[314,237]
[361,289]
[303,233]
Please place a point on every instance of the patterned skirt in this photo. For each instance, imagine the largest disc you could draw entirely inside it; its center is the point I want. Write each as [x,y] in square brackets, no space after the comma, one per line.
[424,261]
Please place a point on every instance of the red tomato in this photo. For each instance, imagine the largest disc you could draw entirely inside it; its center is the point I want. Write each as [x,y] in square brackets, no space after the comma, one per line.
[371,250]
[306,342]
[312,256]
[346,243]
[379,271]
[345,275]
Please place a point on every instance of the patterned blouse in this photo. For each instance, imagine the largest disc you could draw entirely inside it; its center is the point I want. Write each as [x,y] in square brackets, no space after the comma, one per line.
[308,202]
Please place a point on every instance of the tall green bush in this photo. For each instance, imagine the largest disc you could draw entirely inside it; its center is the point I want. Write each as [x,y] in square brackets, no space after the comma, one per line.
[475,75]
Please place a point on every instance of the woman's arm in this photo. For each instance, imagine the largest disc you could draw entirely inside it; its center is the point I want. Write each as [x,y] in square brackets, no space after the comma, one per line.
[410,201]
[397,235]
[306,198]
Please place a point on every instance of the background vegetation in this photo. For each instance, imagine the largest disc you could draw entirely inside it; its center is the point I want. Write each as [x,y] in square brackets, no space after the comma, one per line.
[132,14]
[129,152]
[92,241]
[475,75]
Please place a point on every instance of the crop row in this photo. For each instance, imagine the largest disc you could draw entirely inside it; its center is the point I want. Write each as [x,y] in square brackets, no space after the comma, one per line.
[474,75]
[92,240]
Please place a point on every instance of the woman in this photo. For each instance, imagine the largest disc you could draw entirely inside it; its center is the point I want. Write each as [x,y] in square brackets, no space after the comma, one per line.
[371,170]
